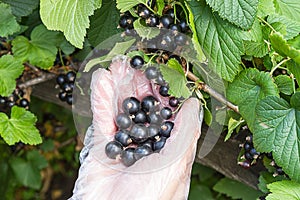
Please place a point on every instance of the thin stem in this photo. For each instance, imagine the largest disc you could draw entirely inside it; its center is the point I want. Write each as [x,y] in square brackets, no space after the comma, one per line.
[45,77]
[266,23]
[279,65]
[212,92]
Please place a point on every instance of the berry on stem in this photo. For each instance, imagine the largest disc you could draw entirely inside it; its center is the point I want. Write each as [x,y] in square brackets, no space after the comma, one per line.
[113,149]
[123,121]
[137,62]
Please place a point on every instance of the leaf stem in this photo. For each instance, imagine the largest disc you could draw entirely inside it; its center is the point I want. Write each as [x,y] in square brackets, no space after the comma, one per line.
[266,23]
[212,92]
[279,65]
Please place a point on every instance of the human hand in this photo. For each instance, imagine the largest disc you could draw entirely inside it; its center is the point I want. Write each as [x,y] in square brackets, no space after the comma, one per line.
[163,175]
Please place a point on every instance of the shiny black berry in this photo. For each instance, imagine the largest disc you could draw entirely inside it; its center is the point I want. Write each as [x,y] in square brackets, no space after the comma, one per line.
[137,62]
[123,137]
[163,91]
[180,40]
[61,79]
[152,21]
[126,21]
[153,130]
[113,149]
[158,145]
[166,113]
[151,73]
[154,118]
[166,128]
[127,157]
[173,102]
[149,103]
[69,99]
[142,151]
[140,117]
[2,100]
[70,76]
[166,21]
[148,143]
[123,121]
[171,13]
[62,96]
[143,11]
[131,105]
[10,104]
[24,103]
[67,87]
[184,26]
[248,156]
[160,80]
[175,28]
[139,133]
[167,43]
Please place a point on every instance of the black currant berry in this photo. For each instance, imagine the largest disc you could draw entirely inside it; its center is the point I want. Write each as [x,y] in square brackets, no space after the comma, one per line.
[247,146]
[62,96]
[130,32]
[24,103]
[163,91]
[127,157]
[10,104]
[142,151]
[152,21]
[70,76]
[158,145]
[143,11]
[166,128]
[151,73]
[166,113]
[2,100]
[154,118]
[279,171]
[123,137]
[166,21]
[167,43]
[151,3]
[160,80]
[173,102]
[171,13]
[248,156]
[148,143]
[113,149]
[149,103]
[153,130]
[253,152]
[131,105]
[123,121]
[67,87]
[69,99]
[269,155]
[139,133]
[175,28]
[184,26]
[126,21]
[140,117]
[61,79]
[180,40]
[137,62]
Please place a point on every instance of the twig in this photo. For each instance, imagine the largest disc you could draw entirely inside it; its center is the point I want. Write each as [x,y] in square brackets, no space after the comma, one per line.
[212,92]
[32,67]
[45,77]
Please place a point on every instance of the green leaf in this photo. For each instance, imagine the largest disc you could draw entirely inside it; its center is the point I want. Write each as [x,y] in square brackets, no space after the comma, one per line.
[277,129]
[232,125]
[236,190]
[281,46]
[144,31]
[284,84]
[25,173]
[255,41]
[289,8]
[69,16]
[8,23]
[265,8]
[200,192]
[40,50]
[221,41]
[104,23]
[119,49]
[160,6]
[287,190]
[20,127]
[174,75]
[265,178]
[21,8]
[295,69]
[239,12]
[36,159]
[10,70]
[124,6]
[287,27]
[248,89]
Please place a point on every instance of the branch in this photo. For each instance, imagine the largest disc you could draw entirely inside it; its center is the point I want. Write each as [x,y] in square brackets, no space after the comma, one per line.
[45,77]
[212,92]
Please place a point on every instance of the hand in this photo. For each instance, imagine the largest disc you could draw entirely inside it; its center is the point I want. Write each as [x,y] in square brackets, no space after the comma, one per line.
[164,175]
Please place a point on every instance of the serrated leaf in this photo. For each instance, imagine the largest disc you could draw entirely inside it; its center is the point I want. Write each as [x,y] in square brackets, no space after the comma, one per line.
[10,70]
[36,159]
[200,192]
[248,89]
[287,190]
[160,6]
[277,129]
[289,8]
[239,12]
[69,16]
[174,75]
[104,23]
[221,41]
[281,46]
[295,69]
[20,127]
[40,50]
[124,6]
[265,8]
[120,48]
[21,8]
[284,84]
[8,23]
[25,173]
[287,27]
[144,31]
[266,178]
[232,125]
[236,190]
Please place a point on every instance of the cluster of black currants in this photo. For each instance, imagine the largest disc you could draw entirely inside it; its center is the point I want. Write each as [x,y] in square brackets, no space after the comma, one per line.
[250,155]
[143,128]
[66,85]
[15,99]
[277,170]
